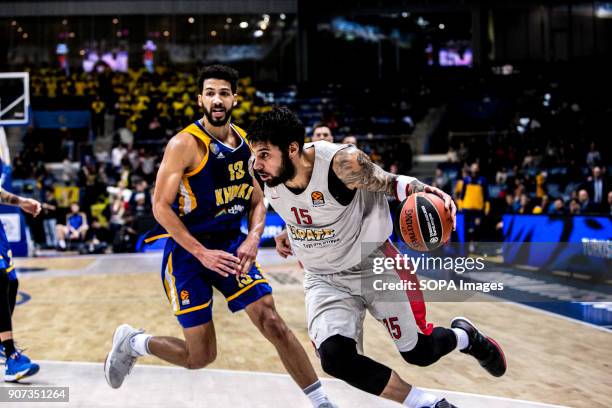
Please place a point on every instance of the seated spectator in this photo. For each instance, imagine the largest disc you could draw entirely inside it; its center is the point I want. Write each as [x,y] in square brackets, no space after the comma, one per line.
[75,229]
[140,202]
[125,239]
[156,130]
[117,210]
[322,132]
[349,140]
[586,205]
[557,208]
[610,203]
[524,205]
[97,238]
[510,204]
[574,207]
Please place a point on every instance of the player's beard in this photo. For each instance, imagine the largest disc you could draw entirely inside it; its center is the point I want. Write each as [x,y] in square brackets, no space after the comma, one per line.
[219,122]
[286,171]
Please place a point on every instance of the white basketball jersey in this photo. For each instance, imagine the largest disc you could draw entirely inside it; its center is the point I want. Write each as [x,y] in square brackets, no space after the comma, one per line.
[325,235]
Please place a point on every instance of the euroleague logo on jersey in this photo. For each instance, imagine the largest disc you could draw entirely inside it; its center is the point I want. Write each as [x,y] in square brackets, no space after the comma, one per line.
[317,199]
[185,298]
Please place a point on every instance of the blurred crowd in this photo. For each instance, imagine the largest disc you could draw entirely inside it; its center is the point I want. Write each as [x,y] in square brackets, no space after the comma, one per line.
[146,107]
[97,206]
[545,160]
[104,202]
[550,159]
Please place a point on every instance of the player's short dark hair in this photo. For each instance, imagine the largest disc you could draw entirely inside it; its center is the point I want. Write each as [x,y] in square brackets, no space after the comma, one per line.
[280,127]
[218,72]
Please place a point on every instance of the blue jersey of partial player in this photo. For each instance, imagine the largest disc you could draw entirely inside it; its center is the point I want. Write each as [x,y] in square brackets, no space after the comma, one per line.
[6,255]
[215,195]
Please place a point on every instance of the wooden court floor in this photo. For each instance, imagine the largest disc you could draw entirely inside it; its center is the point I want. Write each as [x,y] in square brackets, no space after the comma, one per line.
[72,316]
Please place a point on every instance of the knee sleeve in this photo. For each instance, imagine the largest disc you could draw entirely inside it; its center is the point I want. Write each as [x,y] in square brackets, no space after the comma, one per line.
[339,358]
[5,307]
[430,348]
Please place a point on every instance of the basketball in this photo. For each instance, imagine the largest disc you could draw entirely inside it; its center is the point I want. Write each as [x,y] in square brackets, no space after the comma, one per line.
[423,223]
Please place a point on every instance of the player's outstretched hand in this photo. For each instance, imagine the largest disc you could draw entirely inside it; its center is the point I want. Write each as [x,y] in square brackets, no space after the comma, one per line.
[449,204]
[283,246]
[222,262]
[247,252]
[30,206]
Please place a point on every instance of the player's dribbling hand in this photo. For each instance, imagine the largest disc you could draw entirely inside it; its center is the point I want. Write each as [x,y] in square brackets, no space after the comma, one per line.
[247,252]
[449,204]
[30,206]
[283,246]
[222,262]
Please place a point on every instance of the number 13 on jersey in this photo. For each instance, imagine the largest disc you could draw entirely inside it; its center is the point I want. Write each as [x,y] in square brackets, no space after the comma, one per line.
[236,170]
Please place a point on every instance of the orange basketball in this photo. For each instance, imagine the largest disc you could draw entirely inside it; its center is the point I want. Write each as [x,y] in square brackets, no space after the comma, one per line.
[423,223]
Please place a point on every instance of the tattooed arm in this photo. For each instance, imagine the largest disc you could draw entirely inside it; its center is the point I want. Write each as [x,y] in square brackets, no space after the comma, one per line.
[8,198]
[26,204]
[356,170]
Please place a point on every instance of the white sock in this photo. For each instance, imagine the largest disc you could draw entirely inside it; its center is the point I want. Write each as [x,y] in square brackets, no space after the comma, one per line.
[418,398]
[62,243]
[316,395]
[140,344]
[463,341]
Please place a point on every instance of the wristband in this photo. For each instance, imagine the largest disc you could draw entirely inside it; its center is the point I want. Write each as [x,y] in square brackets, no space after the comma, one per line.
[402,187]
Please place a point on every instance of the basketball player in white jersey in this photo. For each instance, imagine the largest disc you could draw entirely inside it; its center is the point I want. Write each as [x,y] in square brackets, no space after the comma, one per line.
[333,200]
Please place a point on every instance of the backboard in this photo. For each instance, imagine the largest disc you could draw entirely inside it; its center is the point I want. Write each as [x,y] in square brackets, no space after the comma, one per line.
[14,98]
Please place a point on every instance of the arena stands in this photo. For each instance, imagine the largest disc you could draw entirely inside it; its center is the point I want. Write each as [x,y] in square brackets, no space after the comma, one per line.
[535,141]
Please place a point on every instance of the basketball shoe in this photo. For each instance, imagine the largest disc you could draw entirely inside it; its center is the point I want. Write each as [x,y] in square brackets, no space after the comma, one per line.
[121,359]
[19,366]
[486,350]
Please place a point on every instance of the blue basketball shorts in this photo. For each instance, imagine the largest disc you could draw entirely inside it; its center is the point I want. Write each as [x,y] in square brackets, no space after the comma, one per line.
[6,262]
[189,284]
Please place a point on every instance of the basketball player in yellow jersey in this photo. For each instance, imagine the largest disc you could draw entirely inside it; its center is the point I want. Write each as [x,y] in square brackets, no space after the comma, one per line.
[202,192]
